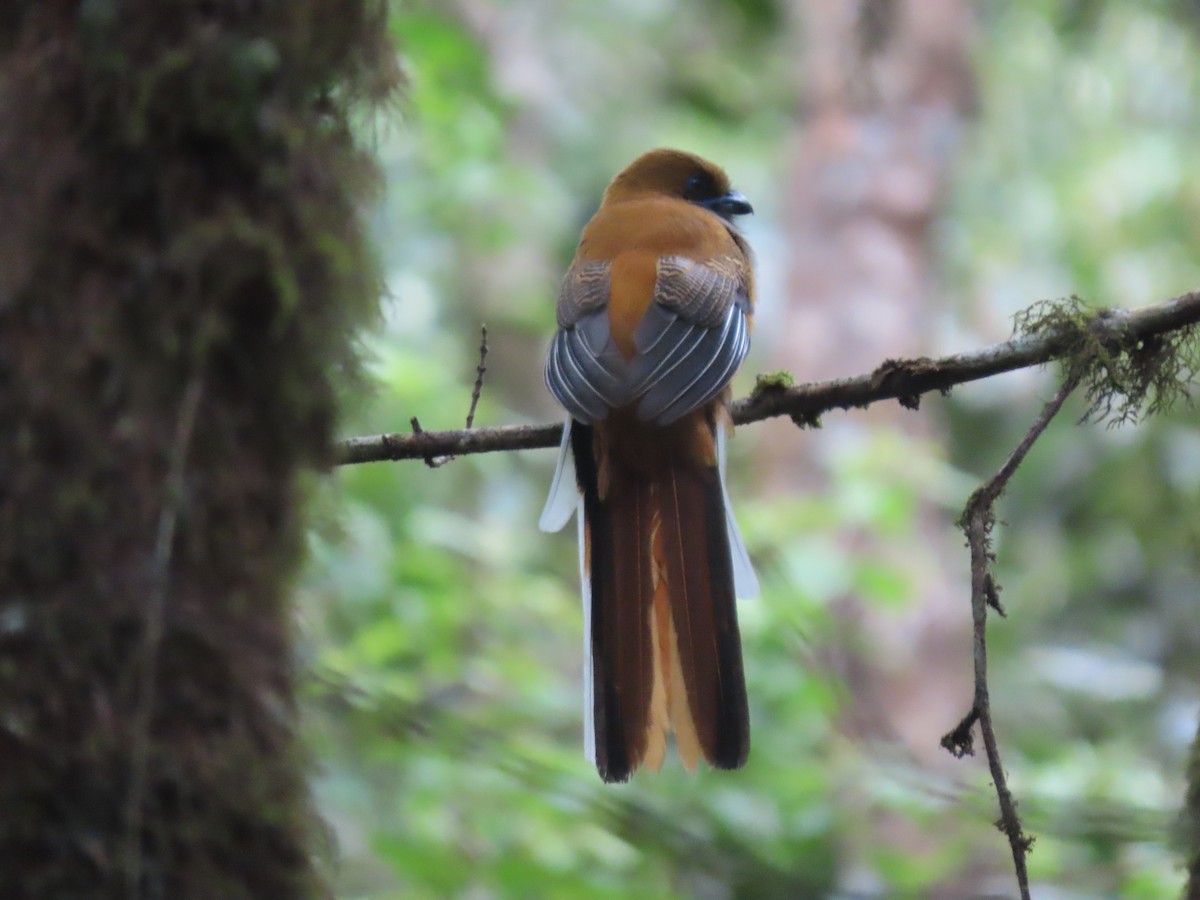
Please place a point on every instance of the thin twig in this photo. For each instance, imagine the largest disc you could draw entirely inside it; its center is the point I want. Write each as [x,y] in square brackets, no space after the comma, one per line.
[173,499]
[479,373]
[480,369]
[977,522]
[903,380]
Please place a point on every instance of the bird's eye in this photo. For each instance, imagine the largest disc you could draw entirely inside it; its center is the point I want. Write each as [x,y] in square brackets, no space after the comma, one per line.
[698,187]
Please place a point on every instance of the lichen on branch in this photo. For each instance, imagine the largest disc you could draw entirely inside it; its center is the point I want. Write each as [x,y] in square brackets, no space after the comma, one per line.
[1125,375]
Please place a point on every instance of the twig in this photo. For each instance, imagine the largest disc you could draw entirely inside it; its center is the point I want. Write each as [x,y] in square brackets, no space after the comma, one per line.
[479,372]
[156,601]
[439,461]
[977,521]
[903,380]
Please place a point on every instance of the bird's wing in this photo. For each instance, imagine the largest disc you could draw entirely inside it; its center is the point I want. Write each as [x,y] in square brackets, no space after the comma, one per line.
[692,338]
[584,370]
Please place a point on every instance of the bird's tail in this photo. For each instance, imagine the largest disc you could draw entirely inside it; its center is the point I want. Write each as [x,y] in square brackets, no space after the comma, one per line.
[662,563]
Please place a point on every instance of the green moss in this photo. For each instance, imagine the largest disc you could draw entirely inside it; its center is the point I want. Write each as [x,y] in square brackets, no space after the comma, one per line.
[772,381]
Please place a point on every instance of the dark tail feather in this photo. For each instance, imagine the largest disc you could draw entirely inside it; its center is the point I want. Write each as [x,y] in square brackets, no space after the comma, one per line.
[618,534]
[699,573]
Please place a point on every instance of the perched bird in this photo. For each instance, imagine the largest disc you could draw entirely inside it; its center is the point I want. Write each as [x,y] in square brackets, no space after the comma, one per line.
[653,320]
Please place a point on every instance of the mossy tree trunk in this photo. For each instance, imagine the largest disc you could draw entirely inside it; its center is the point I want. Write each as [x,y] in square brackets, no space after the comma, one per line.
[1188,827]
[181,274]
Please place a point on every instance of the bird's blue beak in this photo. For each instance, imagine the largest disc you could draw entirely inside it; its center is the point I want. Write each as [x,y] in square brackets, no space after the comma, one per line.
[729,205]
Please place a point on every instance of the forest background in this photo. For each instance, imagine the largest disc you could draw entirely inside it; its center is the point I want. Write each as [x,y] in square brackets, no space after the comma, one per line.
[920,173]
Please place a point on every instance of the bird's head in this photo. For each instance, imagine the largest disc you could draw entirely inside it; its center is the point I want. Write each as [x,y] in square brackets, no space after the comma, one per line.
[681,175]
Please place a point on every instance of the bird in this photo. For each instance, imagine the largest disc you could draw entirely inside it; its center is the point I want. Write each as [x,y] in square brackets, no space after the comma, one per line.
[653,319]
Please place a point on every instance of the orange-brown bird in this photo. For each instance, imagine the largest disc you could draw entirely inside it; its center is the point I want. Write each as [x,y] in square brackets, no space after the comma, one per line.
[653,320]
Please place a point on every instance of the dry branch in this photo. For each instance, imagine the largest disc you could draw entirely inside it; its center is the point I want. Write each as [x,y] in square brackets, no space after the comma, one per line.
[903,380]
[977,521]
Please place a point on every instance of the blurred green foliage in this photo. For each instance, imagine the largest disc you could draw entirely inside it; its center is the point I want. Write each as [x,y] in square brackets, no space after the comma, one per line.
[442,631]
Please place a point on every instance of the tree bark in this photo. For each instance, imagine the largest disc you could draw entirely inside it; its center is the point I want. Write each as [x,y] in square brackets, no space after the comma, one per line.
[1188,827]
[181,269]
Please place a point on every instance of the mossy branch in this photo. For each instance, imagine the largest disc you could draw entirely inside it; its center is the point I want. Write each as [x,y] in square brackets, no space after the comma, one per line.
[1129,362]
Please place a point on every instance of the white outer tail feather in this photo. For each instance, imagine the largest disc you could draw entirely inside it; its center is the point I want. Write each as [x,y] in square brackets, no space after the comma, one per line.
[745,582]
[563,498]
[589,679]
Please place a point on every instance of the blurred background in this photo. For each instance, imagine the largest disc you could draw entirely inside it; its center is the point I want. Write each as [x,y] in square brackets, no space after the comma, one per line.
[920,171]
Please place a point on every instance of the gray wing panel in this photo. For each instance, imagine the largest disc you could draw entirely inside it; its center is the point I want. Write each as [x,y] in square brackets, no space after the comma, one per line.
[682,365]
[584,371]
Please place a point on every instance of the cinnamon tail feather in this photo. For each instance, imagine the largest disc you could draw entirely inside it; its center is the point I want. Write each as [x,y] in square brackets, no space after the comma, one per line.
[665,650]
[700,574]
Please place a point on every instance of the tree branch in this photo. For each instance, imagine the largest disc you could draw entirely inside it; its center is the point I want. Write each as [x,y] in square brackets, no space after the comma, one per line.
[977,521]
[903,380]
